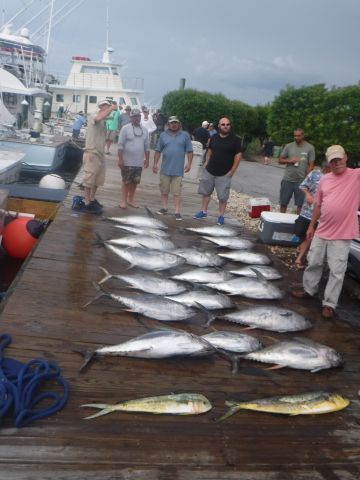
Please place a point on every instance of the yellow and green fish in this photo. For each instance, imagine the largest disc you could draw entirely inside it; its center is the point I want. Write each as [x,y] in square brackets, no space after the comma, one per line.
[304,404]
[173,404]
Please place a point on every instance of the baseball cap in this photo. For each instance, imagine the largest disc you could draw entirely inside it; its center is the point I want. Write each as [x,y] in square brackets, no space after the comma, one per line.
[135,112]
[103,102]
[127,107]
[205,123]
[173,118]
[335,151]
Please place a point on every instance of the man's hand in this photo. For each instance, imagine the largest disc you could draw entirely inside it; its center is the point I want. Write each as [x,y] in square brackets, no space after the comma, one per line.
[155,168]
[146,163]
[187,167]
[310,232]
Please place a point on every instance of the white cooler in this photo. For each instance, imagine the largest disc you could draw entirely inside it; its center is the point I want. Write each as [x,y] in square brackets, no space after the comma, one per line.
[278,229]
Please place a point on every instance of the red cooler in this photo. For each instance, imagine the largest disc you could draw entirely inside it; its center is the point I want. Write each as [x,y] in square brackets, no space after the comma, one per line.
[258,205]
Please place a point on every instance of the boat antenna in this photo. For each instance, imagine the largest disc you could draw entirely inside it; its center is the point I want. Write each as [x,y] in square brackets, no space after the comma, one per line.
[22,10]
[49,26]
[107,26]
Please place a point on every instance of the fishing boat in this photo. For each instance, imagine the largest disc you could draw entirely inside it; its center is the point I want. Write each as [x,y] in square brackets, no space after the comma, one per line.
[10,166]
[90,81]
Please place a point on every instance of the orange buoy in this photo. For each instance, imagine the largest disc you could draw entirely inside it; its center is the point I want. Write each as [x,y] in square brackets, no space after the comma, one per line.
[20,235]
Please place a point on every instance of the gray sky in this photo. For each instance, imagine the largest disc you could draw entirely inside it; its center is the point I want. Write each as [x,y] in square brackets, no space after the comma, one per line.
[246,49]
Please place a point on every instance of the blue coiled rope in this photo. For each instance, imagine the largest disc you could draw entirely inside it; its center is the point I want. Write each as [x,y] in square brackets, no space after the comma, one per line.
[20,384]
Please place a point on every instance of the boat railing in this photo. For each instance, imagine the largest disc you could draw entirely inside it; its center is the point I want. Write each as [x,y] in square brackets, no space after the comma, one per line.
[100,81]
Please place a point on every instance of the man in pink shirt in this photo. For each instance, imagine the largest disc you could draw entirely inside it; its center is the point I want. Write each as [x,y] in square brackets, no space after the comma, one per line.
[336,204]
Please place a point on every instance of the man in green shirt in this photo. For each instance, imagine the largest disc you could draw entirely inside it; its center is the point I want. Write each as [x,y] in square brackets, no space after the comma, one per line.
[112,125]
[299,159]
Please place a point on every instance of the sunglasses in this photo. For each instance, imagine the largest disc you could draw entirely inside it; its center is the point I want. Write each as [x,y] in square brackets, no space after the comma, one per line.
[225,124]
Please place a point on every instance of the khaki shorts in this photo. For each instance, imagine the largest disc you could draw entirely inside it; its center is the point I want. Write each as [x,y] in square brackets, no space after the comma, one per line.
[131,175]
[168,183]
[111,135]
[94,170]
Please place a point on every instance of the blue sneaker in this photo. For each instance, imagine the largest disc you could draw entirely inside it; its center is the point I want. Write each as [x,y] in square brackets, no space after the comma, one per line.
[200,215]
[220,220]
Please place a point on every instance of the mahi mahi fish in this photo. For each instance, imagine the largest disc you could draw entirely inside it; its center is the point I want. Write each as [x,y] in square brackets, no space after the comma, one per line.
[249,287]
[173,404]
[153,232]
[209,300]
[233,342]
[144,241]
[139,221]
[269,317]
[147,283]
[214,231]
[203,275]
[149,305]
[267,272]
[244,256]
[231,242]
[154,260]
[157,344]
[304,404]
[300,353]
[199,258]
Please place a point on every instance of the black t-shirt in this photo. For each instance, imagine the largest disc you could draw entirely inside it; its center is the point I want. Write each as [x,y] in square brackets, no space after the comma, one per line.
[223,151]
[201,135]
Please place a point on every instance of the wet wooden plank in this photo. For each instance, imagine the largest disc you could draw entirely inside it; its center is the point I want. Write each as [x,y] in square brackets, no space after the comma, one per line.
[45,317]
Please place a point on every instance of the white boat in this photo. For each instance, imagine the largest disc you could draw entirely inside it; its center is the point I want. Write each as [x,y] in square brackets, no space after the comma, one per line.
[10,166]
[90,81]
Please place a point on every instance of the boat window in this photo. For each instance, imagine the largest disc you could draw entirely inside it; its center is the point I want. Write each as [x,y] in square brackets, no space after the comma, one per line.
[9,98]
[76,98]
[92,99]
[122,101]
[114,71]
[94,69]
[133,100]
[59,98]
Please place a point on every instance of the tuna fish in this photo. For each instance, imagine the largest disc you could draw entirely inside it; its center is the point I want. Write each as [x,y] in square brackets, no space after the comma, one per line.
[231,242]
[300,353]
[303,404]
[139,221]
[209,300]
[199,258]
[269,317]
[151,306]
[142,241]
[233,342]
[250,288]
[174,404]
[250,258]
[154,260]
[267,272]
[204,275]
[152,232]
[215,231]
[147,283]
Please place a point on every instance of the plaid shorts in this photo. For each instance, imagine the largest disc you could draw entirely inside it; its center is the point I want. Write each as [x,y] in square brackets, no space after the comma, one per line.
[131,175]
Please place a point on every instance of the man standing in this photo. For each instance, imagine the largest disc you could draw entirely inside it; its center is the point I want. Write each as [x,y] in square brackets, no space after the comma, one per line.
[222,160]
[133,156]
[124,118]
[299,158]
[93,158]
[112,125]
[336,205]
[173,144]
[268,150]
[201,134]
[147,121]
[79,121]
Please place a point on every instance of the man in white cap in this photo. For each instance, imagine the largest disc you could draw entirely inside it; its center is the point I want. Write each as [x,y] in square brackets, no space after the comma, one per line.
[336,204]
[133,156]
[93,158]
[201,134]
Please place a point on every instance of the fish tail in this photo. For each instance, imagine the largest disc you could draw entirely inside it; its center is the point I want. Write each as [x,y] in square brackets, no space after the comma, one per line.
[149,212]
[105,408]
[99,240]
[234,407]
[88,356]
[106,277]
[99,295]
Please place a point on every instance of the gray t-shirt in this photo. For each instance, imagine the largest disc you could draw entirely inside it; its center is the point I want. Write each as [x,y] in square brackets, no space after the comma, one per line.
[305,154]
[134,142]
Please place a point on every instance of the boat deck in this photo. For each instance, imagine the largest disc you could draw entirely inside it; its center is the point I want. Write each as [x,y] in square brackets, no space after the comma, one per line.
[45,318]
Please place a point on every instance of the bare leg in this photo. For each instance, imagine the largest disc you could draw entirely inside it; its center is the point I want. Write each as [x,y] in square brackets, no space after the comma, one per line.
[131,194]
[124,195]
[302,251]
[177,200]
[89,194]
[164,201]
[205,203]
[108,145]
[283,208]
[222,207]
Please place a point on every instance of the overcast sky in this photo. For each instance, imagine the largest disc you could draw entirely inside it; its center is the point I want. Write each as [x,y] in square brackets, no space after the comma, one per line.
[246,49]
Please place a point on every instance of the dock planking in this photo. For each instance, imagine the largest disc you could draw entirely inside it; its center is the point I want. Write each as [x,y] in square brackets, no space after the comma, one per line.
[45,317]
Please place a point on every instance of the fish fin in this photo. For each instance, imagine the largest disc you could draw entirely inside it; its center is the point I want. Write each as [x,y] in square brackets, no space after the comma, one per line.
[105,409]
[99,240]
[232,410]
[275,367]
[259,275]
[210,317]
[106,277]
[270,338]
[132,265]
[102,293]
[149,212]
[248,328]
[88,356]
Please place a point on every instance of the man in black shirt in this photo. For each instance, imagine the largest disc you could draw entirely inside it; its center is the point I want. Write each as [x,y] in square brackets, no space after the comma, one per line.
[222,160]
[202,134]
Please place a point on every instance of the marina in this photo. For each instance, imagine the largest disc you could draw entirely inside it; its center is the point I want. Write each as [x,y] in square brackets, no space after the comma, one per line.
[44,315]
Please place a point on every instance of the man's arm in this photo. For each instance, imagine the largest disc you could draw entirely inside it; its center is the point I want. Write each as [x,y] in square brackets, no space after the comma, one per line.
[315,217]
[156,161]
[190,156]
[104,113]
[147,157]
[235,165]
[120,159]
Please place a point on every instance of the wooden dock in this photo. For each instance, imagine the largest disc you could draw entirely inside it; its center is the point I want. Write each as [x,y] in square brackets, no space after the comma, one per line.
[45,318]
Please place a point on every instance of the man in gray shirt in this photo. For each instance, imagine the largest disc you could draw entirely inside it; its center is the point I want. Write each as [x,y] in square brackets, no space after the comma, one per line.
[299,158]
[133,156]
